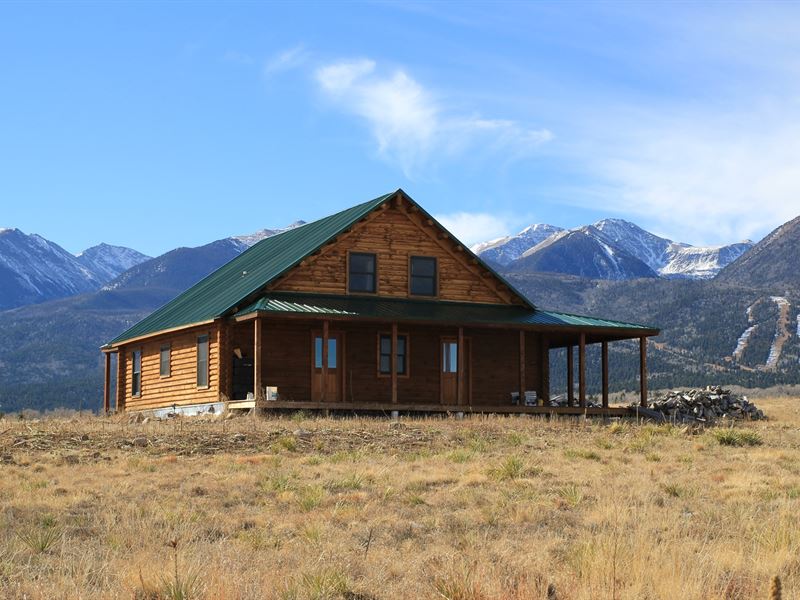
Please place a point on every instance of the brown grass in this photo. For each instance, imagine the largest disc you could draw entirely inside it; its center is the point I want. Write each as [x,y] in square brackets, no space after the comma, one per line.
[479,509]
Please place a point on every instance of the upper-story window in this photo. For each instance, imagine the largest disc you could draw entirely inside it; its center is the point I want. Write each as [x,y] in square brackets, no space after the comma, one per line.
[361,273]
[423,276]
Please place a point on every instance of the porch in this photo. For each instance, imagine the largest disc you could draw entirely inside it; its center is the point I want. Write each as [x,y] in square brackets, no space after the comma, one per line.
[343,361]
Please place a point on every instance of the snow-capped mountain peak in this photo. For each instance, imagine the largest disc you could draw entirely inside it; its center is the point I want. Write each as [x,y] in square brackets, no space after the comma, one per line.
[503,251]
[250,239]
[616,237]
[106,261]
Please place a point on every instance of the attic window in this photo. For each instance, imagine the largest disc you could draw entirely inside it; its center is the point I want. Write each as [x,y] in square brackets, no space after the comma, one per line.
[423,276]
[361,273]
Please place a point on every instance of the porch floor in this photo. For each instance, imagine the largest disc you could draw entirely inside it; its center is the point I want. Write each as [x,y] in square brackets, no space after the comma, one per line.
[614,411]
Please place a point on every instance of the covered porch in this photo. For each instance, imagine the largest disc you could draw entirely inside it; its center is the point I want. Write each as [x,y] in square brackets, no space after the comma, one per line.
[358,354]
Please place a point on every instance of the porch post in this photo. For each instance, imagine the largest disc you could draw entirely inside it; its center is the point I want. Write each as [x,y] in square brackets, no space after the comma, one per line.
[582,371]
[394,363]
[545,371]
[325,334]
[107,383]
[570,376]
[643,370]
[460,374]
[258,393]
[119,402]
[605,374]
[522,367]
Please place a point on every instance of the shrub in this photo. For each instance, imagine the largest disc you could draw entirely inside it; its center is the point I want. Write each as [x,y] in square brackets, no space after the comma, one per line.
[737,437]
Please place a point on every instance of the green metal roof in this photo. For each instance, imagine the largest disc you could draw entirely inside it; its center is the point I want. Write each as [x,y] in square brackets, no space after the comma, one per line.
[399,309]
[243,278]
[249,272]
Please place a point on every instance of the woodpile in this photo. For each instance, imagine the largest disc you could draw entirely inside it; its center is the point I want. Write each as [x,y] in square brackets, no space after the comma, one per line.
[706,406]
[562,400]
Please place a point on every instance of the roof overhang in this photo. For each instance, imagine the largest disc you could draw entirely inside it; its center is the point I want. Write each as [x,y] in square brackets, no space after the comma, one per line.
[286,305]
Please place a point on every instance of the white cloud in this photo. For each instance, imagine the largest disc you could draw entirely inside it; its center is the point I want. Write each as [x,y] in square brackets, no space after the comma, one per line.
[472,228]
[411,124]
[286,60]
[699,177]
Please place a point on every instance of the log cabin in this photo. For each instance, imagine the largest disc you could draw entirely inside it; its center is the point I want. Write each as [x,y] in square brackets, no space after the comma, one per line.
[377,307]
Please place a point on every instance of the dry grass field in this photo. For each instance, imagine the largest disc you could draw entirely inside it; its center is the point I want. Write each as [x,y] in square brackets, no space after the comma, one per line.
[484,508]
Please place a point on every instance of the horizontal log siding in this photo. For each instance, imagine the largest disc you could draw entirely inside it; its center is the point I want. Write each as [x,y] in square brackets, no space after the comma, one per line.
[495,365]
[286,353]
[394,237]
[363,382]
[181,386]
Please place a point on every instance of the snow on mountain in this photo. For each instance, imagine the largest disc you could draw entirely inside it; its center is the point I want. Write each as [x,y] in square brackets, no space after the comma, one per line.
[503,251]
[107,261]
[584,252]
[701,262]
[253,238]
[33,269]
[663,256]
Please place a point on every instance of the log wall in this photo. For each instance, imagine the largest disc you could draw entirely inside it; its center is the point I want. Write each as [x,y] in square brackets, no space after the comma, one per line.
[394,236]
[492,375]
[181,386]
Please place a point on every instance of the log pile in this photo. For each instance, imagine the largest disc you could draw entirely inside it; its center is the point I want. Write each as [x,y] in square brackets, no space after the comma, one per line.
[562,400]
[704,405]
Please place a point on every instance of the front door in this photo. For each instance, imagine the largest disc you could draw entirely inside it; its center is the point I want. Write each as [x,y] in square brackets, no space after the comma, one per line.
[326,387]
[449,371]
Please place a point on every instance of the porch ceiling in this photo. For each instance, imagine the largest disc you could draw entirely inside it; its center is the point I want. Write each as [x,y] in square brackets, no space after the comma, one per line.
[434,311]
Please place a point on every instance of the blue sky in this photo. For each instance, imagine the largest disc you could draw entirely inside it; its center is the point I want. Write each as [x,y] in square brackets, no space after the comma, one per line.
[155,125]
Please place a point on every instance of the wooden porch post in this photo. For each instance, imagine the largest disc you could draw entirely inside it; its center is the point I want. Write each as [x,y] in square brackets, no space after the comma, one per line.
[545,371]
[522,367]
[643,370]
[119,403]
[394,363]
[107,384]
[570,376]
[257,359]
[460,374]
[325,334]
[582,370]
[605,374]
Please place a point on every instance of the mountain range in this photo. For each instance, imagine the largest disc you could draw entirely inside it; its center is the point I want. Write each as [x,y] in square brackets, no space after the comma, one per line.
[609,249]
[735,327]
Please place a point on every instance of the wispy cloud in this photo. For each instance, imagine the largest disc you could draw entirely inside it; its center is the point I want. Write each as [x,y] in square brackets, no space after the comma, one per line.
[412,125]
[285,60]
[472,228]
[696,175]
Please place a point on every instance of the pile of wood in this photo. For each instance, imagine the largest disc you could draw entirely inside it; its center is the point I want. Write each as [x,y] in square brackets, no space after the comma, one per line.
[562,400]
[706,406]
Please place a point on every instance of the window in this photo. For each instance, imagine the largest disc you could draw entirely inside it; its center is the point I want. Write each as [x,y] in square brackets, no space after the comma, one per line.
[423,276]
[318,352]
[202,361]
[450,357]
[164,362]
[385,354]
[136,375]
[361,275]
